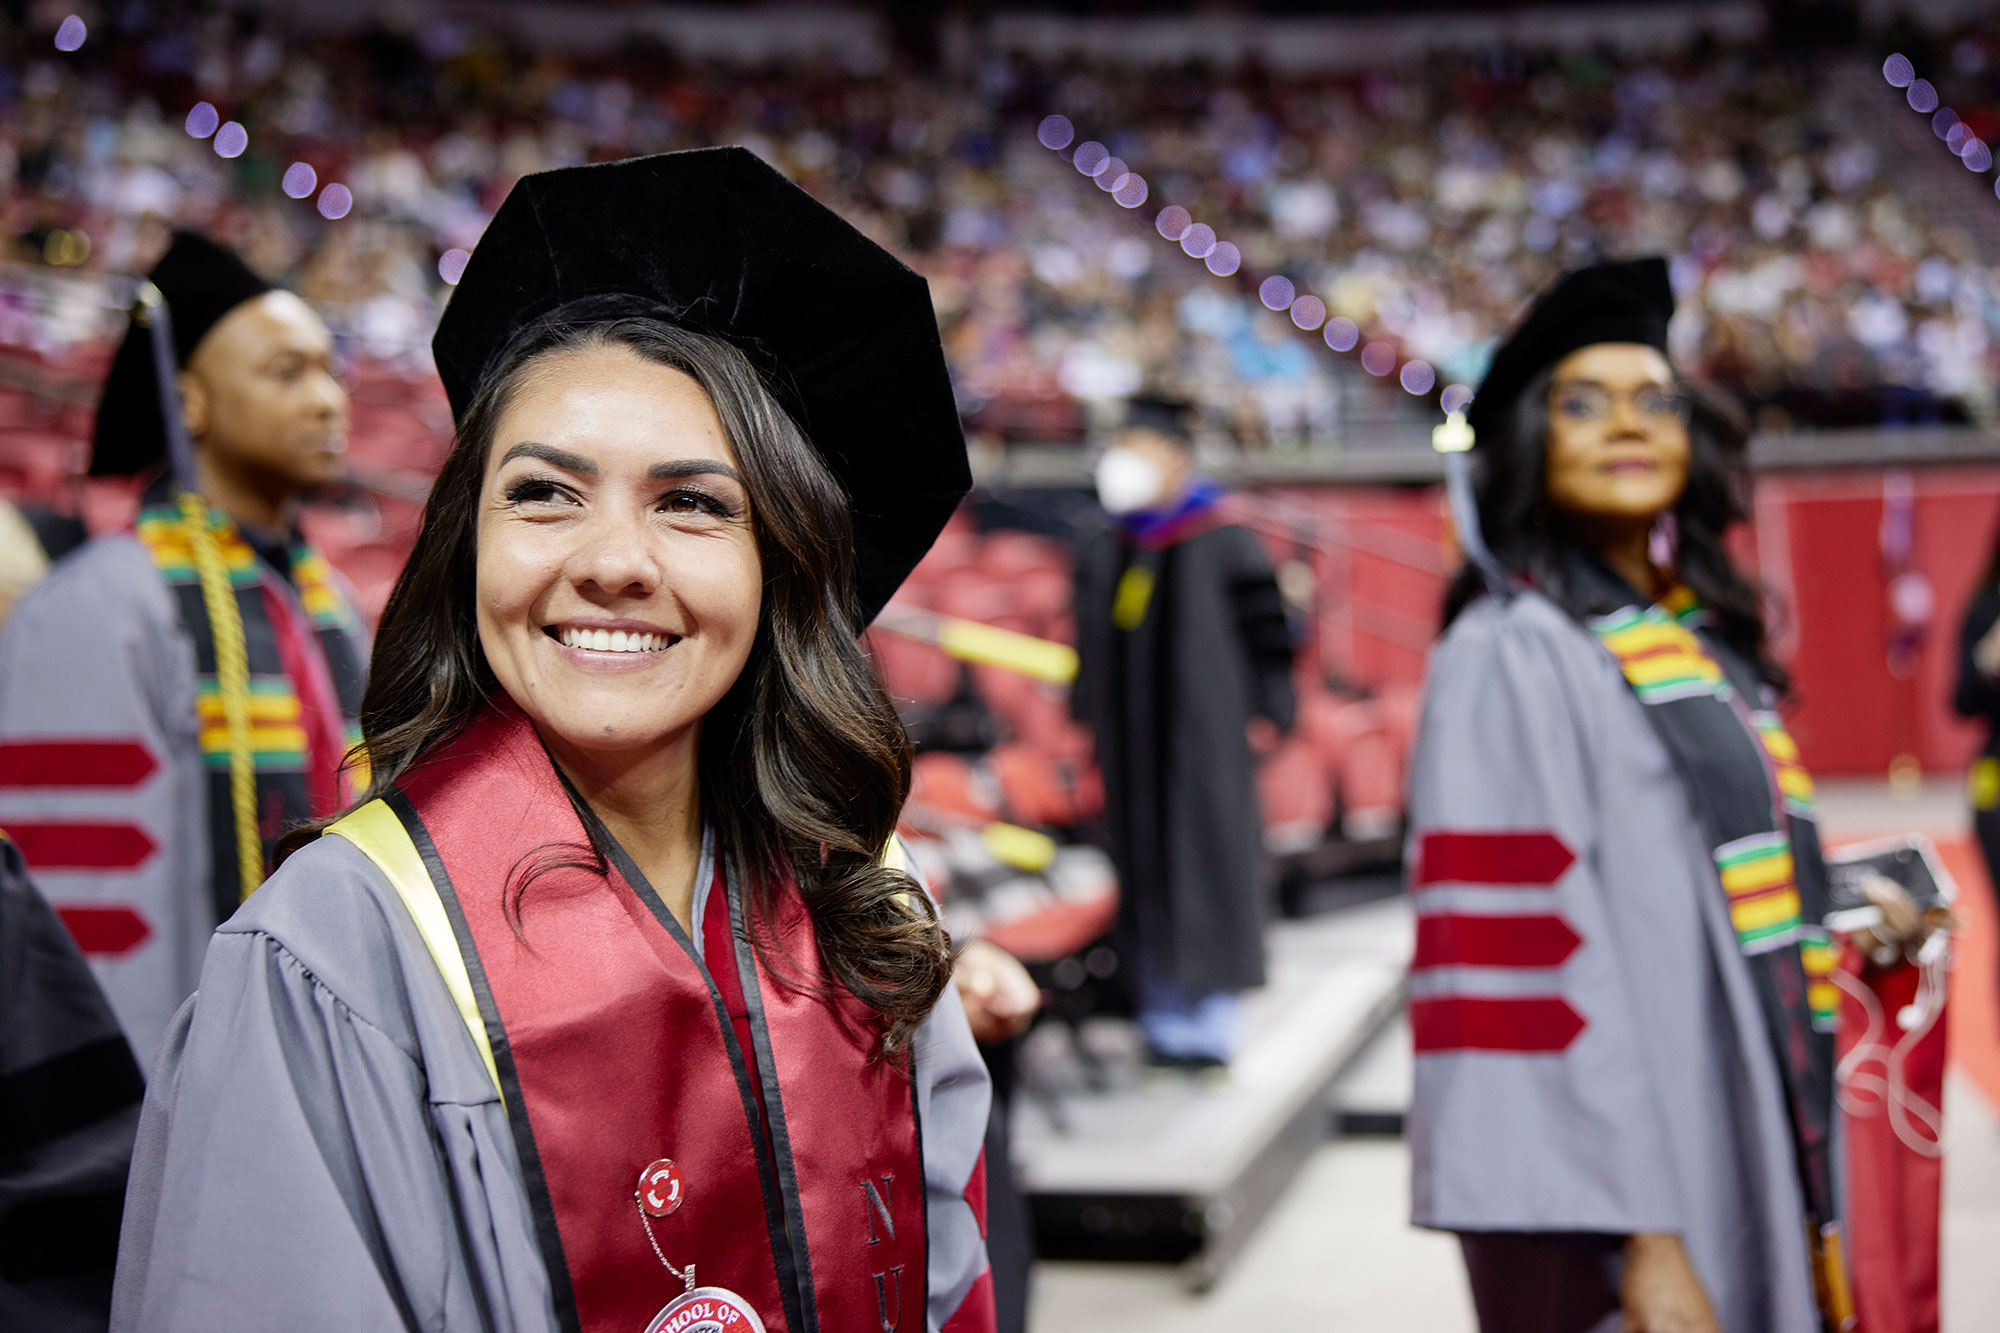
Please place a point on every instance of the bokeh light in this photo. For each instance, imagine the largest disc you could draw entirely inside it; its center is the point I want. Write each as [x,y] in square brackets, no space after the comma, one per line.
[1056,132]
[1198,240]
[1944,122]
[1174,221]
[1418,377]
[1922,96]
[1898,70]
[1977,156]
[1131,191]
[300,180]
[202,120]
[1378,358]
[335,201]
[1111,173]
[1276,292]
[1342,333]
[451,265]
[1456,397]
[1224,259]
[70,35]
[1308,312]
[231,140]
[1090,157]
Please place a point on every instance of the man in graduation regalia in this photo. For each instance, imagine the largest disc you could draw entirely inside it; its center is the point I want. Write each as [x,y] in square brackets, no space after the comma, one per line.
[1182,640]
[172,698]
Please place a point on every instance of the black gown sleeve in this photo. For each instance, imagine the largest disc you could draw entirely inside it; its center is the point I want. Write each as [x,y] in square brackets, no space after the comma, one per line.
[69,1107]
[1978,694]
[1264,629]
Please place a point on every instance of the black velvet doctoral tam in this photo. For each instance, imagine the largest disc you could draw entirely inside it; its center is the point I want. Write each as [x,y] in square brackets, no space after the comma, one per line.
[201,282]
[1625,302]
[717,241]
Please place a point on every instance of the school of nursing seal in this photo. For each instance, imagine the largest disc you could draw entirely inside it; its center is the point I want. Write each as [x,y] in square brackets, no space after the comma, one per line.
[707,1310]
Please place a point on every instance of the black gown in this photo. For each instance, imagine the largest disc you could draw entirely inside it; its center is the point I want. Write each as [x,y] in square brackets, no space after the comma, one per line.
[69,1107]
[1168,701]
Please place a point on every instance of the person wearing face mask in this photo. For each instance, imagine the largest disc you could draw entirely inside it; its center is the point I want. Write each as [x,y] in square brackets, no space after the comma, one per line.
[1621,997]
[175,696]
[1182,641]
[612,1005]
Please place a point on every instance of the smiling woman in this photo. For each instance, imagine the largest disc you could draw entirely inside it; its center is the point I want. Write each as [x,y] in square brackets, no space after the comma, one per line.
[607,977]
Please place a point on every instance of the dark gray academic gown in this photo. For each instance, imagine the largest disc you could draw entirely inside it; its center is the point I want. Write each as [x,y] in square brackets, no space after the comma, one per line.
[322,1147]
[1168,702]
[69,1104]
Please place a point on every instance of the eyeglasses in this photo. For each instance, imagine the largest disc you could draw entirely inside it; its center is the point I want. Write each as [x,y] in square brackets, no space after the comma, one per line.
[1594,402]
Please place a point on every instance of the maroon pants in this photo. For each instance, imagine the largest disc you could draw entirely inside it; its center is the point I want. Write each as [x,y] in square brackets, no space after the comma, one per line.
[1544,1281]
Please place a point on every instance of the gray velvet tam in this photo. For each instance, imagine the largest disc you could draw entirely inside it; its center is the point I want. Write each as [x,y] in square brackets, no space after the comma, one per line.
[201,282]
[1625,302]
[717,241]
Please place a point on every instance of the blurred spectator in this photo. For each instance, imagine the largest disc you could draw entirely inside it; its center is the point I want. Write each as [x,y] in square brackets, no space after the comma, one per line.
[1422,202]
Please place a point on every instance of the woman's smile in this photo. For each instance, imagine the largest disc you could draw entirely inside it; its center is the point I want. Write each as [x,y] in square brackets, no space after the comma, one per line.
[619,578]
[597,644]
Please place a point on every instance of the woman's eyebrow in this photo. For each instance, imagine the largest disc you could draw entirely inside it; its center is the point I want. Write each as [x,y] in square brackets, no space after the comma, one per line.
[691,467]
[548,453]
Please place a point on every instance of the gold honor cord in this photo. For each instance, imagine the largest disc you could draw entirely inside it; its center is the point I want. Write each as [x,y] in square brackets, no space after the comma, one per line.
[218,595]
[232,682]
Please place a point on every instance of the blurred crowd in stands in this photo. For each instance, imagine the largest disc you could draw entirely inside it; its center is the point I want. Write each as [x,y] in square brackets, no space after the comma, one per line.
[1422,203]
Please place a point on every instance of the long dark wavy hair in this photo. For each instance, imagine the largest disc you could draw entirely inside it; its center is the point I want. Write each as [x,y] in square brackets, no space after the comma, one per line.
[804,765]
[1529,537]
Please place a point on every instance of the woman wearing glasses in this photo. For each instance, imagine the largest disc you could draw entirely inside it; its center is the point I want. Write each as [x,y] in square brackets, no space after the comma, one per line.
[1619,999]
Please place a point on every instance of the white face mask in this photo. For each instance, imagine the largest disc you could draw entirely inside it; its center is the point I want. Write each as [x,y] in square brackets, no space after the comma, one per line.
[1128,480]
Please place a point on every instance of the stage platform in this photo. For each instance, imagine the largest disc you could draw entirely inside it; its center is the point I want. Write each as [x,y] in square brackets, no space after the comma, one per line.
[1123,1162]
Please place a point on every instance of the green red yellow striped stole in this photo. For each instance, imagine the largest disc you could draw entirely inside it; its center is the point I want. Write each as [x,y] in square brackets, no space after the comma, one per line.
[1663,660]
[277,731]
[1760,880]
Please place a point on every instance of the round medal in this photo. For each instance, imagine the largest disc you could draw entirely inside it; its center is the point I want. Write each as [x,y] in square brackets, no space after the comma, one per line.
[707,1310]
[661,1188]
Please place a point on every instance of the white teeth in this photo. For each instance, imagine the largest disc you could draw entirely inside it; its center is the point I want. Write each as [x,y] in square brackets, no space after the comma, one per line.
[615,641]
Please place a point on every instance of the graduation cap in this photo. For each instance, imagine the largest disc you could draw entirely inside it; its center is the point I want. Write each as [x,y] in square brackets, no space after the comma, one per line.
[200,282]
[1171,417]
[718,242]
[1625,302]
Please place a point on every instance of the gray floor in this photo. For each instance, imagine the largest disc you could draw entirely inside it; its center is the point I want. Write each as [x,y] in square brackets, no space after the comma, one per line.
[1339,1254]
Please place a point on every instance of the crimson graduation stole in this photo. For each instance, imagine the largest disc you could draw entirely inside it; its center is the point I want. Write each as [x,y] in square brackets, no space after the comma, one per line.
[1754,803]
[307,670]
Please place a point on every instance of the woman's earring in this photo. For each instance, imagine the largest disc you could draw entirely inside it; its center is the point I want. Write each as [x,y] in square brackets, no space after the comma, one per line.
[1665,543]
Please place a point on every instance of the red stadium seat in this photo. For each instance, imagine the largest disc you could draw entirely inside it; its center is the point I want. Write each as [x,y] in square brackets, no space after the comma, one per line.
[1296,796]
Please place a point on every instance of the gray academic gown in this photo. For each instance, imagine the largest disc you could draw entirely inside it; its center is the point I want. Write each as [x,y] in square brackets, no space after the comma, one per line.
[1664,1112]
[323,1148]
[97,652]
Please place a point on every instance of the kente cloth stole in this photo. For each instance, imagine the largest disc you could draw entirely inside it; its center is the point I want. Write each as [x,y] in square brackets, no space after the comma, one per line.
[306,677]
[1754,803]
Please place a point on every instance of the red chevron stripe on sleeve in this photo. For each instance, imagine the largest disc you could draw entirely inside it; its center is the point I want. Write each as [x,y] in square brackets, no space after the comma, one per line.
[975,1192]
[66,845]
[1453,940]
[75,763]
[1524,1025]
[105,932]
[1528,857]
[975,1314]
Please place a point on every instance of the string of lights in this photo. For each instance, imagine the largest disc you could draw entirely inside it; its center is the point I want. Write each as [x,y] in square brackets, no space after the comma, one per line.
[1379,356]
[1972,151]
[231,139]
